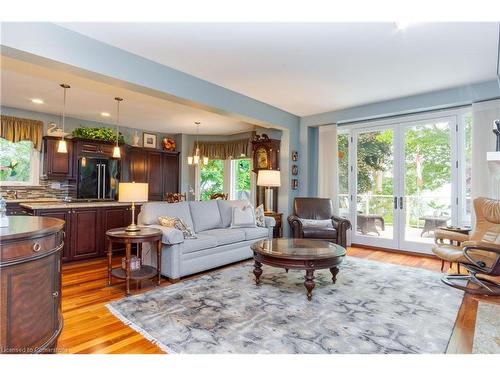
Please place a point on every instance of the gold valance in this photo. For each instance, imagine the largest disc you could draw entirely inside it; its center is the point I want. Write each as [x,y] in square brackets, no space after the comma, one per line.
[236,149]
[15,129]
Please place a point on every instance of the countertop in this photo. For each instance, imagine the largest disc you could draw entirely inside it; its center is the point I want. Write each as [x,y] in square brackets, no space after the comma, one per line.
[63,205]
[31,200]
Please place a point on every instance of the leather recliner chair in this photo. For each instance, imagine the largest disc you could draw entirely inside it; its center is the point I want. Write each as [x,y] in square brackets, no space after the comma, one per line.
[307,210]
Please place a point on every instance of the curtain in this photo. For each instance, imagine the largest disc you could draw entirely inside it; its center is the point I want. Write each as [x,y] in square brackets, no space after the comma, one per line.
[328,165]
[483,183]
[236,149]
[15,129]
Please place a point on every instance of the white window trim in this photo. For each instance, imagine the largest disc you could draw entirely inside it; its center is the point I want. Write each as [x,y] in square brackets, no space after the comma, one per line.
[34,180]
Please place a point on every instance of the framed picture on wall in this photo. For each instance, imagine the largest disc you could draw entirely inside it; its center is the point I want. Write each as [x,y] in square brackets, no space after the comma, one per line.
[149,140]
[295,184]
[295,170]
[295,155]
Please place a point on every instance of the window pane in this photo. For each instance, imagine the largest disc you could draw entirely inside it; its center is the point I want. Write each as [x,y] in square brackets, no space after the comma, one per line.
[466,199]
[211,179]
[343,172]
[241,182]
[15,160]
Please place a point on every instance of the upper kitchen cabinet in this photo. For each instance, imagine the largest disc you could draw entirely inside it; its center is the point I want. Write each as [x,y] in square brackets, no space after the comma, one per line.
[56,165]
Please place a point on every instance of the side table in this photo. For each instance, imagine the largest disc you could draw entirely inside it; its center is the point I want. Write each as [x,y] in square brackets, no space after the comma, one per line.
[278,228]
[119,235]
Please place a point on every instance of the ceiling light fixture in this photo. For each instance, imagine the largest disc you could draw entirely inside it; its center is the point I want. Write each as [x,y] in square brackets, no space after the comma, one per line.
[37,101]
[105,114]
[62,147]
[195,159]
[116,149]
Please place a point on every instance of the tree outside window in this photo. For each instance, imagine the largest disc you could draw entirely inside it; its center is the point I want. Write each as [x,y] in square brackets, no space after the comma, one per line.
[211,179]
[16,162]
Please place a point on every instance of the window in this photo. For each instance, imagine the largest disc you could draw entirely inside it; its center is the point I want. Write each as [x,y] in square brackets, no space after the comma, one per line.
[343,173]
[240,179]
[466,162]
[18,163]
[211,179]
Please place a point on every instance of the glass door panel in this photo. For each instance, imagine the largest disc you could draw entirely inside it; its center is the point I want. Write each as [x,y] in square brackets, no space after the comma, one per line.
[427,176]
[374,212]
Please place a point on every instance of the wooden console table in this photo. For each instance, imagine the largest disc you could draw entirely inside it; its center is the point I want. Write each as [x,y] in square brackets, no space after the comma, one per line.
[278,228]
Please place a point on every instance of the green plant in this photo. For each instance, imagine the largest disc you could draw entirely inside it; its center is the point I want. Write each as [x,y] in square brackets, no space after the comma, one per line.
[103,134]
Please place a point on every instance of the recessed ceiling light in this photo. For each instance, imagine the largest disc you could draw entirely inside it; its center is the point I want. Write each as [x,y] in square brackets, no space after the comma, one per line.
[37,101]
[105,114]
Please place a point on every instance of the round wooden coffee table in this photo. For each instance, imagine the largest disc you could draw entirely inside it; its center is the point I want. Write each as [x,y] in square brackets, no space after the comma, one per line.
[298,253]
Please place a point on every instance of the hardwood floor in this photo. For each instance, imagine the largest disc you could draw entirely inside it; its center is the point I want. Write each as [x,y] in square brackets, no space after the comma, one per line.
[90,328]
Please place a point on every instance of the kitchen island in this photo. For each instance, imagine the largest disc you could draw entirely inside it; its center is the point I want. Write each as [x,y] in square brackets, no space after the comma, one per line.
[86,223]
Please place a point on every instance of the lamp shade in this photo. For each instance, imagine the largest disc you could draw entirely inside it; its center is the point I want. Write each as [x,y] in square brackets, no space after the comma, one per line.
[129,192]
[269,178]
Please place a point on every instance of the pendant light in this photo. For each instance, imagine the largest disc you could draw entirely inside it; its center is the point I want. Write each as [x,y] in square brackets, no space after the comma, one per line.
[116,149]
[62,147]
[195,159]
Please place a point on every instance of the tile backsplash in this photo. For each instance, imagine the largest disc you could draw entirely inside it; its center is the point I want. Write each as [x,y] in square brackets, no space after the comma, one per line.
[46,189]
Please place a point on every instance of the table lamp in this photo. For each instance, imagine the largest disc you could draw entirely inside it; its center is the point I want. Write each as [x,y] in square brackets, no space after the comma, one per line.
[132,192]
[269,178]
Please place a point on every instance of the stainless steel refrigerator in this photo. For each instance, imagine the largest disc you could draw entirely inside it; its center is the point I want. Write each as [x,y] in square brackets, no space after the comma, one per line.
[98,178]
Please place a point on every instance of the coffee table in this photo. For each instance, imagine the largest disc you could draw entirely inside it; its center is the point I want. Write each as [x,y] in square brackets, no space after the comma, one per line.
[298,253]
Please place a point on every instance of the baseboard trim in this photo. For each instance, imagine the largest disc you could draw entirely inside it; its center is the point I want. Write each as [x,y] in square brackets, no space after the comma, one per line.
[398,251]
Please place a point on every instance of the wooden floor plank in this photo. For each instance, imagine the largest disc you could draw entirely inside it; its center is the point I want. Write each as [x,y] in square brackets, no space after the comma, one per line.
[89,327]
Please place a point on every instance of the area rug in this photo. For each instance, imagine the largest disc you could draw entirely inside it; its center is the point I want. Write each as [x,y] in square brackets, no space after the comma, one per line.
[373,308]
[487,332]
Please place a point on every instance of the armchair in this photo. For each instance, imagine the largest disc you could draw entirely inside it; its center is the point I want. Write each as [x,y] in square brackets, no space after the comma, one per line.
[310,220]
[478,253]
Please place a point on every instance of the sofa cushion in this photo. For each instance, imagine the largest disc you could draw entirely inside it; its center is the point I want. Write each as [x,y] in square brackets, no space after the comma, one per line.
[321,233]
[255,233]
[243,217]
[171,236]
[225,236]
[205,215]
[201,243]
[150,212]
[226,209]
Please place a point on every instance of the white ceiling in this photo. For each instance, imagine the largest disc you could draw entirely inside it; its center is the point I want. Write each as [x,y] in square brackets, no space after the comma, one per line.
[311,68]
[86,99]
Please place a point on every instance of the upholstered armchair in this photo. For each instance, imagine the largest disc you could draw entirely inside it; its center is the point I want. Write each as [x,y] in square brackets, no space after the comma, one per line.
[478,253]
[314,218]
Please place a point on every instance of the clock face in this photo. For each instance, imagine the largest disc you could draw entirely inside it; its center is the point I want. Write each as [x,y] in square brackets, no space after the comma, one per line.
[262,162]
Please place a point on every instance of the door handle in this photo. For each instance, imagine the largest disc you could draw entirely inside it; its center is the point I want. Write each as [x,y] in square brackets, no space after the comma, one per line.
[395,203]
[98,181]
[103,181]
[400,203]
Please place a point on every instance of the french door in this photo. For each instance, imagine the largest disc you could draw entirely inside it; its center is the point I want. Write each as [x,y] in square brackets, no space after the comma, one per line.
[404,181]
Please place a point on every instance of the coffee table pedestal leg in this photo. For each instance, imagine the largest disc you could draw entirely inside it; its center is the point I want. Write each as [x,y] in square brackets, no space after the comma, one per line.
[309,283]
[257,271]
[334,271]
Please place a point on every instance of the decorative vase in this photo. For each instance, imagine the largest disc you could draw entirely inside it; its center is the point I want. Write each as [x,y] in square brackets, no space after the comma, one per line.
[135,139]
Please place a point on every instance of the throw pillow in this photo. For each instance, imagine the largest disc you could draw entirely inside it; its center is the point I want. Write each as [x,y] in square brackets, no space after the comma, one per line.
[311,223]
[177,223]
[243,217]
[260,218]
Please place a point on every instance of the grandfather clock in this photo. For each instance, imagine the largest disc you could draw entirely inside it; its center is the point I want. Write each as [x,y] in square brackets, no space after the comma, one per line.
[265,153]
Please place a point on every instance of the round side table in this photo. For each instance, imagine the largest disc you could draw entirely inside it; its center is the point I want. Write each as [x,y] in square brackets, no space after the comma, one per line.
[120,235]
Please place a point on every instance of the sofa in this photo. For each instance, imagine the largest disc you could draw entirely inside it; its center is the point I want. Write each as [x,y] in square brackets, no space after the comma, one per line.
[217,244]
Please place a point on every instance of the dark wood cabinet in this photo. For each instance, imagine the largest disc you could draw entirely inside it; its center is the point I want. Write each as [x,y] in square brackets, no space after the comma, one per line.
[155,176]
[85,228]
[170,173]
[160,169]
[14,209]
[57,166]
[30,298]
[66,216]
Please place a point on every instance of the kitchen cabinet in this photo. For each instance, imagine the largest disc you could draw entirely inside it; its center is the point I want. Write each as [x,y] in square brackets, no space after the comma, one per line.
[56,165]
[85,228]
[160,169]
[30,279]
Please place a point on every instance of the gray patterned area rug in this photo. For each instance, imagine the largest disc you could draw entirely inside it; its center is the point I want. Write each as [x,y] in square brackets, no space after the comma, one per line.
[373,308]
[487,332]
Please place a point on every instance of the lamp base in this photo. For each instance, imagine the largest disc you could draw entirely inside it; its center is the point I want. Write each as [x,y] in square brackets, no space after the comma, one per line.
[268,203]
[133,228]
